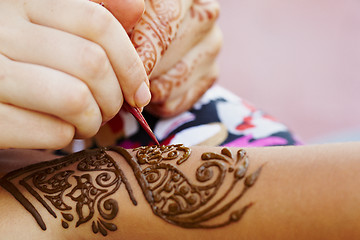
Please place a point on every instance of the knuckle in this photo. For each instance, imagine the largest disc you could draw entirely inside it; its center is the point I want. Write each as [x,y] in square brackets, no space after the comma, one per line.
[217,39]
[94,61]
[113,110]
[76,100]
[99,20]
[134,74]
[89,126]
[4,68]
[63,135]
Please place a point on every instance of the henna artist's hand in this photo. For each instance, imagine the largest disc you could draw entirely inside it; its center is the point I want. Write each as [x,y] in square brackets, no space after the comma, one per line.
[65,67]
[178,42]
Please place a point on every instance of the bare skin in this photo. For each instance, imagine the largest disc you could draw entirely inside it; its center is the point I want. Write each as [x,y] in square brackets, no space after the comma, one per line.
[306,192]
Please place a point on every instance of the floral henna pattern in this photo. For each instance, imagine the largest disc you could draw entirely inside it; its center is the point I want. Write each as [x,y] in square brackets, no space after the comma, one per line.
[170,96]
[160,21]
[205,10]
[162,86]
[79,188]
[193,201]
[83,195]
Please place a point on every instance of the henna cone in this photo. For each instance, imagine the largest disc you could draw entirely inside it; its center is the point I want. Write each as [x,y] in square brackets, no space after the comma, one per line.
[140,118]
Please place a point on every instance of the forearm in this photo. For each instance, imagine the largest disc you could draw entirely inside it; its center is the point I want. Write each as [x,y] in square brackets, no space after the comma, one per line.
[302,192]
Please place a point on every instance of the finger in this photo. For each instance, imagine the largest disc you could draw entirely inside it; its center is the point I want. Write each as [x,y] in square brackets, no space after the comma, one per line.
[93,22]
[127,12]
[179,88]
[73,55]
[197,23]
[21,128]
[157,28]
[28,86]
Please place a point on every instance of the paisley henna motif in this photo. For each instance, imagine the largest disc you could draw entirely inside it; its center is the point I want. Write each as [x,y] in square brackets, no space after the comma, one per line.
[192,201]
[79,188]
[160,20]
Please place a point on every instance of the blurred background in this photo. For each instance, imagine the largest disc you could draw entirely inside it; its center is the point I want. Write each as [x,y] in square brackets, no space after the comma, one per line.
[296,60]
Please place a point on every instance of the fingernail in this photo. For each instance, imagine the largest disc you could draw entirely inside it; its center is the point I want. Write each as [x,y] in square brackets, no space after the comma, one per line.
[142,96]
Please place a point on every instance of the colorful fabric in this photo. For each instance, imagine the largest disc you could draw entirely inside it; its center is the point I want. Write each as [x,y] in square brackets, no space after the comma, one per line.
[219,118]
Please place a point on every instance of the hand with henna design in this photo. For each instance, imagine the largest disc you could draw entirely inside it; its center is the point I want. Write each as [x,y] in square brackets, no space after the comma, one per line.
[178,42]
[65,67]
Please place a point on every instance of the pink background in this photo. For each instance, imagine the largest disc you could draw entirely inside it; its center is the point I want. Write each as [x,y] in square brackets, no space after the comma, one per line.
[297,60]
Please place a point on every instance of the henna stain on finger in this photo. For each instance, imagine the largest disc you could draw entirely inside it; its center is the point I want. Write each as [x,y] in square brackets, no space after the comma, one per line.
[163,86]
[205,10]
[80,188]
[156,30]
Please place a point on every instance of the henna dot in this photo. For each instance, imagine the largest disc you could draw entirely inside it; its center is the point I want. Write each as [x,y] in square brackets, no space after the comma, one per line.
[176,177]
[192,200]
[64,224]
[172,154]
[93,191]
[184,189]
[173,208]
[231,169]
[68,217]
[141,159]
[157,198]
[168,188]
[235,216]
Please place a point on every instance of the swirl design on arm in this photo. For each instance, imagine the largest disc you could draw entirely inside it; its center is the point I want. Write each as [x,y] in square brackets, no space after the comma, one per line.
[78,195]
[192,201]
[80,187]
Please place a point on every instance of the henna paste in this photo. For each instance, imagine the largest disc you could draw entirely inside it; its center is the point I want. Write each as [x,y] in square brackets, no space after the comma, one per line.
[178,200]
[90,190]
[85,195]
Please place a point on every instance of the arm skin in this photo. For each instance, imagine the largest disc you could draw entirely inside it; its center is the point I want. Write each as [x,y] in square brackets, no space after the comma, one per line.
[304,192]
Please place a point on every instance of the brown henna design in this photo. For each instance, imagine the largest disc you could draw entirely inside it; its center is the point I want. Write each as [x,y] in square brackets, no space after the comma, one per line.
[85,195]
[192,201]
[177,90]
[162,86]
[97,178]
[204,10]
[155,31]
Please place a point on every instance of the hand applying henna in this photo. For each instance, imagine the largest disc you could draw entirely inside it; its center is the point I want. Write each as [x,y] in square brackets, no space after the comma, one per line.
[142,96]
[72,79]
[181,64]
